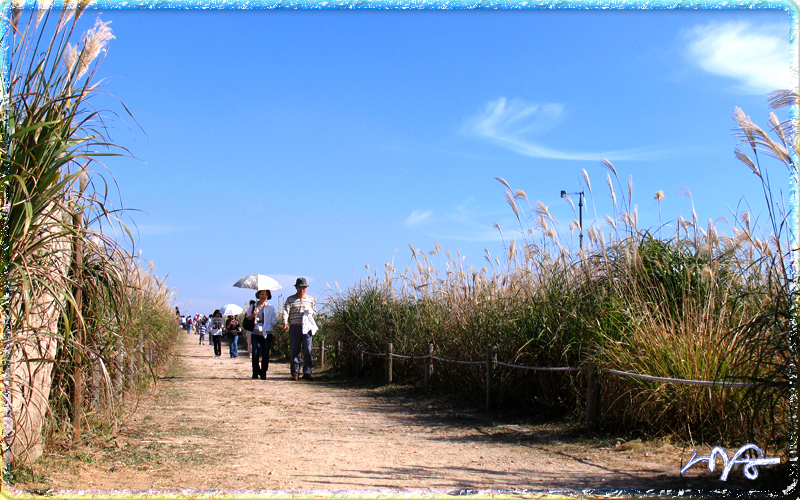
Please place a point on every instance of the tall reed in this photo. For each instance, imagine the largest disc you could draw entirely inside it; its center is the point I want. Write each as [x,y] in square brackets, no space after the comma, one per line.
[69,285]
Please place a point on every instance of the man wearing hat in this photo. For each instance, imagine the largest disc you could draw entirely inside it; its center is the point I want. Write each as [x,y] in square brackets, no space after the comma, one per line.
[295,307]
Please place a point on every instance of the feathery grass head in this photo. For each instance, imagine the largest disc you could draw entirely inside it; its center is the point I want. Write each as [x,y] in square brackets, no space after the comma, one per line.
[586,179]
[67,13]
[569,200]
[611,189]
[610,221]
[503,182]
[630,188]
[94,42]
[512,203]
[609,166]
[16,12]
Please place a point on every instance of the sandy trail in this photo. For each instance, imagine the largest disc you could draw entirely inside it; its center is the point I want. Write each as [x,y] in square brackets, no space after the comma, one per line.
[209,426]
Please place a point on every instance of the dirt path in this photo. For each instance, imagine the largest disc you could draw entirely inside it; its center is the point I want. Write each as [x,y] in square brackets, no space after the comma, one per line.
[208,426]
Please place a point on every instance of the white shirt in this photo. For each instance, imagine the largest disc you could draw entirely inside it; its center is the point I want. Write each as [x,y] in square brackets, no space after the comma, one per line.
[215,326]
[309,324]
[265,319]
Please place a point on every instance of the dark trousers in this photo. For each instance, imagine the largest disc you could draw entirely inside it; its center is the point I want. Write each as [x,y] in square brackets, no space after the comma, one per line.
[261,347]
[300,342]
[217,339]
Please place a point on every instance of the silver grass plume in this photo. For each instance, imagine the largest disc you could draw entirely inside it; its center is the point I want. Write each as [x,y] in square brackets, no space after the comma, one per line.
[96,40]
[569,200]
[586,179]
[609,166]
[42,7]
[630,189]
[511,201]
[503,181]
[67,12]
[611,189]
[18,6]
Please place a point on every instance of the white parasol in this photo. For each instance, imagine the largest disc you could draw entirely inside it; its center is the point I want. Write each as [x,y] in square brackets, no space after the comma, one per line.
[230,310]
[258,282]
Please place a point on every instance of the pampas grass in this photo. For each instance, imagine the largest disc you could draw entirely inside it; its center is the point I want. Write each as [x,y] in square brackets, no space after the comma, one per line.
[706,303]
[79,306]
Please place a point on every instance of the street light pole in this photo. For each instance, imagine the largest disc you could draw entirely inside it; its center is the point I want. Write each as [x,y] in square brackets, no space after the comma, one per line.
[580,214]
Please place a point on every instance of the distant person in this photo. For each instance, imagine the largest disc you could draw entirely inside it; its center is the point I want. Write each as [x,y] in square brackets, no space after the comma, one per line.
[263,336]
[295,308]
[234,329]
[249,333]
[189,323]
[201,329]
[177,312]
[215,328]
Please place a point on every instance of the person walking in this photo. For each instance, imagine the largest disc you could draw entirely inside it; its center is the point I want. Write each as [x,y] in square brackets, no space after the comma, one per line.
[215,330]
[295,308]
[233,329]
[249,334]
[263,336]
[201,329]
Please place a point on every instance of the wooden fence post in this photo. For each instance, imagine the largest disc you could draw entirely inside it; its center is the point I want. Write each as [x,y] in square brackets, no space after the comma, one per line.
[428,366]
[592,391]
[491,357]
[76,324]
[388,363]
[321,354]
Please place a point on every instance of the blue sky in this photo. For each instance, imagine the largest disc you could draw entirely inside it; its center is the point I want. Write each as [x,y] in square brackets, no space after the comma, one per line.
[311,143]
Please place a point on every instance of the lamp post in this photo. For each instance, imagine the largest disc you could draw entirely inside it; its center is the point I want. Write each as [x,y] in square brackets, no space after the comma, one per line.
[580,213]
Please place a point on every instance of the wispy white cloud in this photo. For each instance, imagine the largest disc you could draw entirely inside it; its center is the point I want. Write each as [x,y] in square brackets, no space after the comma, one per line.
[465,222]
[756,56]
[516,117]
[510,123]
[418,217]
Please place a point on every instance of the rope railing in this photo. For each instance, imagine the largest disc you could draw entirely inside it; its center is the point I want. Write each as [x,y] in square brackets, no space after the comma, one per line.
[680,380]
[553,368]
[458,361]
[588,368]
[407,357]
[541,368]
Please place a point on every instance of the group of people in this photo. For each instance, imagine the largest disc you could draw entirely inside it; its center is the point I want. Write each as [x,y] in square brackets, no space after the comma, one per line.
[215,329]
[260,325]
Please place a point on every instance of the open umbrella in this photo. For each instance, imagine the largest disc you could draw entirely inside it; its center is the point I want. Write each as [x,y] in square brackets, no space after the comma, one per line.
[257,282]
[230,310]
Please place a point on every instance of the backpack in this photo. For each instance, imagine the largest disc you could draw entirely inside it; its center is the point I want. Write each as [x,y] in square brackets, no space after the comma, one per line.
[249,324]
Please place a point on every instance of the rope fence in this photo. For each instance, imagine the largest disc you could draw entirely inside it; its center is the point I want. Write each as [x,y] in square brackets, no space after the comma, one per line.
[541,368]
[588,368]
[680,380]
[457,361]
